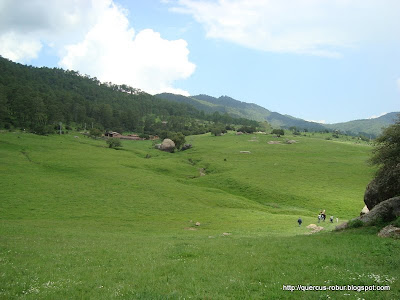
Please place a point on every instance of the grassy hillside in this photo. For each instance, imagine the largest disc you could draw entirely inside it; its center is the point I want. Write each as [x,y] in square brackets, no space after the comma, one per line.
[371,127]
[79,220]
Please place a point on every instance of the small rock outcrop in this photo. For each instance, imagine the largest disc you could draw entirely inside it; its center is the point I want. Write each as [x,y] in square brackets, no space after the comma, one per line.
[290,142]
[167,145]
[341,226]
[390,231]
[186,147]
[314,228]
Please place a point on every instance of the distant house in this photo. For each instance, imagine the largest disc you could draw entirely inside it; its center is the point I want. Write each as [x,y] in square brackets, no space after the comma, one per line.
[112,134]
[134,137]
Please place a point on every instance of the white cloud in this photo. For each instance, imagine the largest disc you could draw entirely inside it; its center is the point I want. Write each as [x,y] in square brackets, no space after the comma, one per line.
[312,27]
[320,122]
[374,116]
[25,26]
[18,47]
[95,38]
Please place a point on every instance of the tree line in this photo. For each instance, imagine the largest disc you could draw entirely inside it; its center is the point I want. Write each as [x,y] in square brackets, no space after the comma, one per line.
[38,99]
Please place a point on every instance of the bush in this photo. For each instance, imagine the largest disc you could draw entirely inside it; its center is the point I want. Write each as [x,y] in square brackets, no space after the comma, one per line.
[114,143]
[179,139]
[396,222]
[386,183]
[355,223]
[42,129]
[247,129]
[144,136]
[95,133]
[278,132]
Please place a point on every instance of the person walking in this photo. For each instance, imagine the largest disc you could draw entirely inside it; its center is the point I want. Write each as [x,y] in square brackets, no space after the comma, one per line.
[323,214]
[299,221]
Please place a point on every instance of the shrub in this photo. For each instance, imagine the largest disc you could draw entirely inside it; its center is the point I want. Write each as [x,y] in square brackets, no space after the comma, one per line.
[42,129]
[278,132]
[396,222]
[386,183]
[95,133]
[355,223]
[179,139]
[144,136]
[114,143]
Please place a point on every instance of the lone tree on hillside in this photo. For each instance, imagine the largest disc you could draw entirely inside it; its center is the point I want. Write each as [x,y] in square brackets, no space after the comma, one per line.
[386,156]
[278,132]
[179,139]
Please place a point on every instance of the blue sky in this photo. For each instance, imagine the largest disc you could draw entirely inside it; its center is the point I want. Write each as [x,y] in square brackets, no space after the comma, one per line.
[327,61]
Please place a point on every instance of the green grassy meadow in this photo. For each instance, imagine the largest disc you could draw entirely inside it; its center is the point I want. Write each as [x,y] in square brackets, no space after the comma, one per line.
[80,220]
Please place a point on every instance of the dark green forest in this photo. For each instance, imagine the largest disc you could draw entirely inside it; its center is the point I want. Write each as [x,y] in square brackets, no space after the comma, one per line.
[38,99]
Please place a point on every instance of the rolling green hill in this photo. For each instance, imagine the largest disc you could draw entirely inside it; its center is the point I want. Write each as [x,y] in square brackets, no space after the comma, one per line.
[372,127]
[80,220]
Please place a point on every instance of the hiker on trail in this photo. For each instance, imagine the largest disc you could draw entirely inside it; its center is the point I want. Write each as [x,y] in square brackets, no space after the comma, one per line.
[299,221]
[323,215]
[331,219]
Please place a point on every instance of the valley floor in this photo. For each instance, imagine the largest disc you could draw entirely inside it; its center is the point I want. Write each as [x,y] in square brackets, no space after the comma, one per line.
[80,220]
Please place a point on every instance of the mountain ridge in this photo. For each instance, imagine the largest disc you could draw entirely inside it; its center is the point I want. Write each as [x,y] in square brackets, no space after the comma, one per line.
[237,108]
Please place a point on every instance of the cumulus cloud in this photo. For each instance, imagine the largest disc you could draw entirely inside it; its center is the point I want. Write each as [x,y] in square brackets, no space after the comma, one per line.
[18,47]
[311,27]
[93,37]
[26,26]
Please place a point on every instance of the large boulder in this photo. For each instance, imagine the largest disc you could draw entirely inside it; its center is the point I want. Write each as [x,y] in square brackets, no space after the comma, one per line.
[167,145]
[385,186]
[372,195]
[386,211]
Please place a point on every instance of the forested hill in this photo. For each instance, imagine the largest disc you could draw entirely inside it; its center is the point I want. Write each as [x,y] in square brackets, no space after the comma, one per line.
[39,98]
[233,107]
[225,104]
[372,127]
